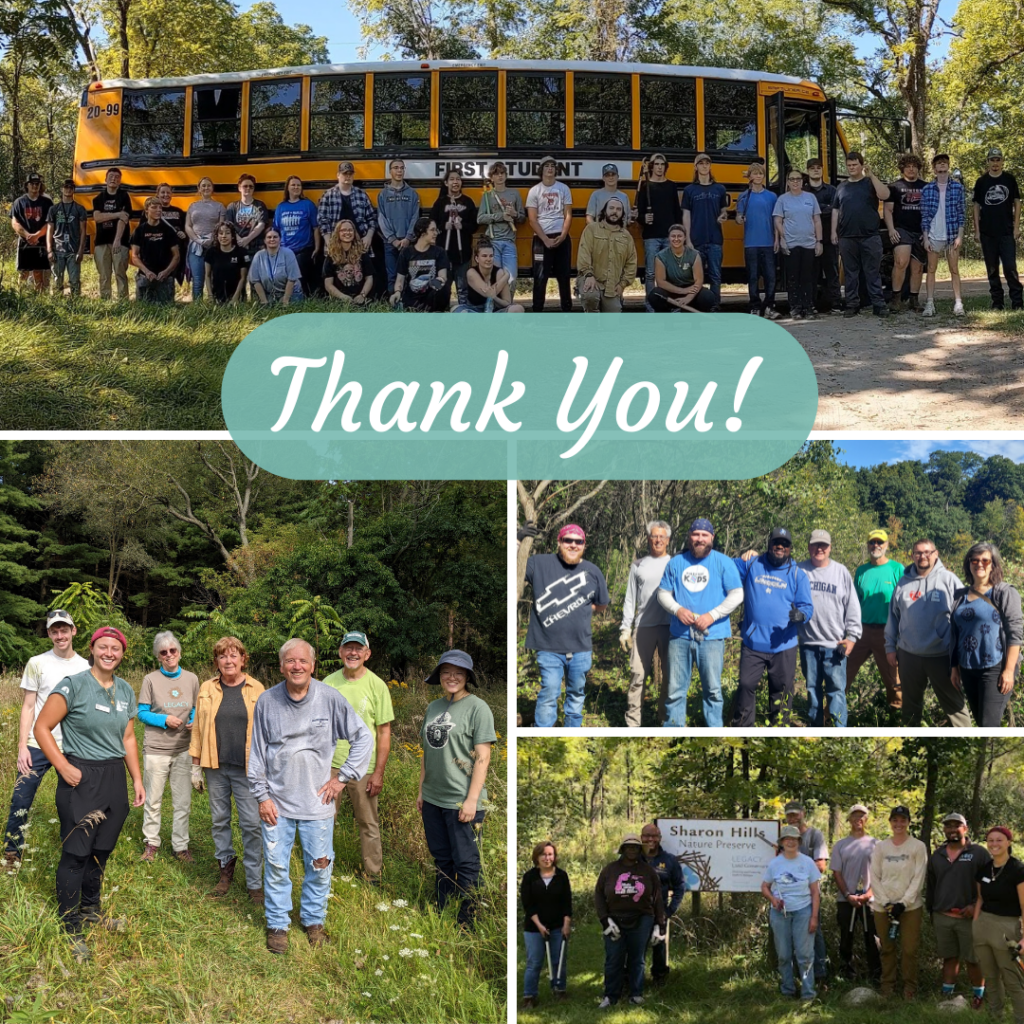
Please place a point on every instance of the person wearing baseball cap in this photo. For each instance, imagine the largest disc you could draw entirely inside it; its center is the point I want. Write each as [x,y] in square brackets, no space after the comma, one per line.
[898,868]
[42,673]
[827,639]
[610,190]
[705,210]
[950,895]
[371,700]
[875,583]
[851,871]
[567,590]
[791,884]
[776,600]
[346,201]
[457,731]
[549,211]
[699,589]
[28,221]
[997,226]
[95,709]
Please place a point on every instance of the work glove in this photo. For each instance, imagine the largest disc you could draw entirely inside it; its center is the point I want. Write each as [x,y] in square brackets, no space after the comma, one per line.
[658,937]
[198,784]
[896,911]
[626,640]
[796,616]
[529,529]
[613,931]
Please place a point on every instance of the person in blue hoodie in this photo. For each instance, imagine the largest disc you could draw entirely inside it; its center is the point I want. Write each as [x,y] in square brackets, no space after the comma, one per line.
[776,600]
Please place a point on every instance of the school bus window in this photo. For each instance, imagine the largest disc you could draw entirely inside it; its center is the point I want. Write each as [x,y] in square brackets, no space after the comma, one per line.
[153,122]
[336,113]
[469,108]
[535,109]
[216,119]
[668,113]
[604,111]
[803,136]
[401,111]
[730,118]
[275,116]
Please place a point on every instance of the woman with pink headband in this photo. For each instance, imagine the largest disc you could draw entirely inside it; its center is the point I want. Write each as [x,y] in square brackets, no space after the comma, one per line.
[94,710]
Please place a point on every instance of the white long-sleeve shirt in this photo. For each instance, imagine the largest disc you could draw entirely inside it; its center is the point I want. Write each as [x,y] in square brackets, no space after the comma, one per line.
[641,607]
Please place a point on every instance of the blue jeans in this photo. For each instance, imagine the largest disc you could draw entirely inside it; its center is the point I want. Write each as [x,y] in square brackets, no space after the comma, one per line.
[652,246]
[197,264]
[553,667]
[506,258]
[391,255]
[792,938]
[536,954]
[760,260]
[223,783]
[21,801]
[627,954]
[317,838]
[455,847]
[683,654]
[824,669]
[711,258]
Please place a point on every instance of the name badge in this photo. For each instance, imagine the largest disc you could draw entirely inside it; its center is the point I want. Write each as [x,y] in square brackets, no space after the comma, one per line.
[987,881]
[103,708]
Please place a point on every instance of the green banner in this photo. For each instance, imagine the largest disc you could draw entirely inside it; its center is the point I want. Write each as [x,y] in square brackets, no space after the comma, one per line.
[463,396]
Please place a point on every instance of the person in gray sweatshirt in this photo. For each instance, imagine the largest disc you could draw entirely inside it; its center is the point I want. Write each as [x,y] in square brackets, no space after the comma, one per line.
[917,636]
[501,211]
[827,638]
[398,208]
[642,610]
[296,725]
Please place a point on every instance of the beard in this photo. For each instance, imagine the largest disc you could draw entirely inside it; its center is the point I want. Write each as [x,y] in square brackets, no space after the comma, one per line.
[571,557]
[700,550]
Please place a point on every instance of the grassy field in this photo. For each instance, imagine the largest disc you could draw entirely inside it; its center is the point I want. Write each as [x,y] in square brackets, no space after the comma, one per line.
[608,684]
[187,960]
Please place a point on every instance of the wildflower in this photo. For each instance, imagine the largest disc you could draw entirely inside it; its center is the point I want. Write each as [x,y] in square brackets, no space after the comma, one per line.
[53,821]
[399,903]
[422,952]
[345,878]
[395,927]
[116,887]
[405,952]
[367,994]
[413,935]
[378,972]
[358,952]
[385,957]
[383,906]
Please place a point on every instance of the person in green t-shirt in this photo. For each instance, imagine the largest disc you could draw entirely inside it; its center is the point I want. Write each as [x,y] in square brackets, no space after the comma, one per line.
[370,699]
[457,733]
[875,582]
[95,710]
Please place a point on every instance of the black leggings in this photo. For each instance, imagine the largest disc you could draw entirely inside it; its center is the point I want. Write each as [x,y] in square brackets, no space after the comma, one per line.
[78,883]
[981,688]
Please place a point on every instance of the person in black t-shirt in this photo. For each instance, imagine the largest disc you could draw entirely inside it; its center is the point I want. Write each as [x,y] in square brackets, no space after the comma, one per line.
[657,209]
[156,253]
[348,266]
[997,924]
[112,214]
[902,212]
[227,265]
[455,215]
[28,220]
[174,217]
[828,294]
[997,226]
[422,281]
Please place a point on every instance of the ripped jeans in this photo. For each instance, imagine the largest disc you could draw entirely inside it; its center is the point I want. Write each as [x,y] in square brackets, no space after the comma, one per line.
[317,838]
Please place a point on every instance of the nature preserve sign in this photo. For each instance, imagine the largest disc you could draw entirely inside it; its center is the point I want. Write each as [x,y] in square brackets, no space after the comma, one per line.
[721,856]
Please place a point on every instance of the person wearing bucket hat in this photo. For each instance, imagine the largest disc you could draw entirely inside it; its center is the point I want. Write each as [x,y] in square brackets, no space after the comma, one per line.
[898,868]
[813,845]
[567,590]
[610,190]
[371,700]
[42,673]
[791,884]
[629,906]
[950,893]
[851,871]
[549,211]
[776,601]
[457,733]
[997,227]
[95,710]
[29,213]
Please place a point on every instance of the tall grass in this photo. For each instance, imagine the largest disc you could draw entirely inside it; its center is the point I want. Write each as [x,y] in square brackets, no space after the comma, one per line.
[185,959]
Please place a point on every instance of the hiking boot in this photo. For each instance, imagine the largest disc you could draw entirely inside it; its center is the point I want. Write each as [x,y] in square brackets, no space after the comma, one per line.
[277,940]
[316,934]
[12,860]
[256,896]
[881,311]
[915,303]
[529,1002]
[227,873]
[929,308]
[94,916]
[149,853]
[185,856]
[851,311]
[79,950]
[896,304]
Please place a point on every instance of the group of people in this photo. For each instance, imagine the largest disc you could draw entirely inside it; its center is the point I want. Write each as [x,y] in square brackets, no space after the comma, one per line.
[344,249]
[973,894]
[923,626]
[286,755]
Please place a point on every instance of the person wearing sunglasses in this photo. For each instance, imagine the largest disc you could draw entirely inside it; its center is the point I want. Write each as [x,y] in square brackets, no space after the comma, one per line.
[986,631]
[997,227]
[875,583]
[167,707]
[567,590]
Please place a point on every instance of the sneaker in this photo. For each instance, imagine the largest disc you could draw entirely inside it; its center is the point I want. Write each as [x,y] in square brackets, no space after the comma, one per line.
[185,856]
[881,311]
[605,1004]
[79,950]
[772,314]
[637,1000]
[929,309]
[277,940]
[836,311]
[149,853]
[958,309]
[799,315]
[754,312]
[315,933]
[94,916]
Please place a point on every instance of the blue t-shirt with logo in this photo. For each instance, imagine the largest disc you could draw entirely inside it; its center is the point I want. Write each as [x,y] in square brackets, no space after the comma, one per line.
[296,222]
[562,599]
[791,878]
[700,584]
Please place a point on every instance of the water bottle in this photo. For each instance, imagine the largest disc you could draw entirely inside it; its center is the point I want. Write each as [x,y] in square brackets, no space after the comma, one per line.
[489,304]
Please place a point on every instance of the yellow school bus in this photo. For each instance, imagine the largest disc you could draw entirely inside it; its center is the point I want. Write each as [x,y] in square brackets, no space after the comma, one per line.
[439,115]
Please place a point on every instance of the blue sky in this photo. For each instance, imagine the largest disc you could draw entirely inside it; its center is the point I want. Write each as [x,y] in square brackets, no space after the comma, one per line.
[871,453]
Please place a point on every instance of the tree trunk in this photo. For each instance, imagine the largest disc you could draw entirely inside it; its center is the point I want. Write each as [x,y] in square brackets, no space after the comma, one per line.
[930,787]
[351,523]
[974,819]
[14,101]
[122,31]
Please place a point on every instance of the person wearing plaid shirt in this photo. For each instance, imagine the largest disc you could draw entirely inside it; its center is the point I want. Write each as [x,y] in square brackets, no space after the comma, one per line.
[943,213]
[346,201]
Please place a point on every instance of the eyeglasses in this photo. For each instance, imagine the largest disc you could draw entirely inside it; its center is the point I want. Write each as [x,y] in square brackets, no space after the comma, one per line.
[788,179]
[573,540]
[164,654]
[924,554]
[981,561]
